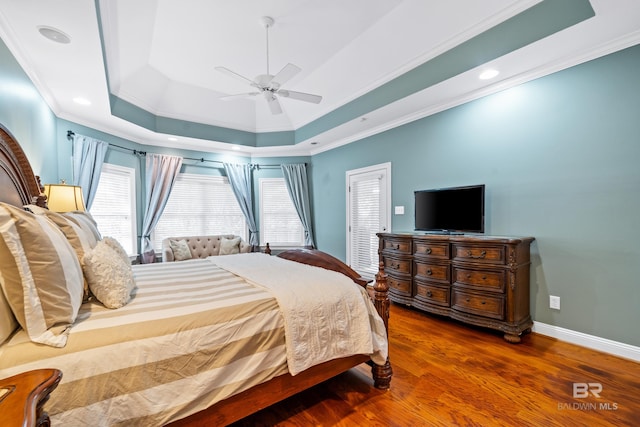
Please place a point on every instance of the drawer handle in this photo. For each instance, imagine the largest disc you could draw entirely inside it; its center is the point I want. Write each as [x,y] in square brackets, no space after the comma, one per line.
[482,255]
[429,272]
[395,266]
[429,294]
[428,251]
[398,246]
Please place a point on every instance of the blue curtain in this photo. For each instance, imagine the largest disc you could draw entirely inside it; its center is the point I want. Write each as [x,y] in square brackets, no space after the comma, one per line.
[295,177]
[88,157]
[240,180]
[160,175]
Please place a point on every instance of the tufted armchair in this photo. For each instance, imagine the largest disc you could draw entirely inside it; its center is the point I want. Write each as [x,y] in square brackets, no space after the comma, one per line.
[201,246]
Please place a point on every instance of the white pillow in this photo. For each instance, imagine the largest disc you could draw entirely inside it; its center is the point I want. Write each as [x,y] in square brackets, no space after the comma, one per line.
[116,246]
[41,276]
[110,278]
[180,249]
[229,246]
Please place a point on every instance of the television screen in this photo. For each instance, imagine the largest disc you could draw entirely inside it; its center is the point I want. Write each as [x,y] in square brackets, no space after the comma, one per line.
[457,209]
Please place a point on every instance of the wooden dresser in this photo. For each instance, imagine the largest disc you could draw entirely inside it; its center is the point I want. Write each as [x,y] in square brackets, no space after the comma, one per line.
[482,280]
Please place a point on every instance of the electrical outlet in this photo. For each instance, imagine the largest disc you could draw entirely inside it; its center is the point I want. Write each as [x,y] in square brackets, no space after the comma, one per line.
[554,302]
[399,210]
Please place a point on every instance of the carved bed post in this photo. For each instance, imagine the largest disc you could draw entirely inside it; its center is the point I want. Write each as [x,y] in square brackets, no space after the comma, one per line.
[382,374]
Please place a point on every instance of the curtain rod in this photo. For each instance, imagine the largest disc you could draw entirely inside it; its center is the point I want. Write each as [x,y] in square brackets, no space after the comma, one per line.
[70,135]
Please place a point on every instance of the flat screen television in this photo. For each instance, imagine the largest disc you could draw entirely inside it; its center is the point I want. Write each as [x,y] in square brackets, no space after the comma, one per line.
[450,210]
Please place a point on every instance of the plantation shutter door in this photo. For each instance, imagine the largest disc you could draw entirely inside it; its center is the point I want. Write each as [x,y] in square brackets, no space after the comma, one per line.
[367,216]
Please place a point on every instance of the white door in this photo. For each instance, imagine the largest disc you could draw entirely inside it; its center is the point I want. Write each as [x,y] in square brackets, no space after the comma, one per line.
[368,213]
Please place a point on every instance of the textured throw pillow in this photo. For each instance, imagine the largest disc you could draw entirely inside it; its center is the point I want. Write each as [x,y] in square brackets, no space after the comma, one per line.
[87,223]
[110,278]
[180,250]
[116,246]
[41,276]
[229,246]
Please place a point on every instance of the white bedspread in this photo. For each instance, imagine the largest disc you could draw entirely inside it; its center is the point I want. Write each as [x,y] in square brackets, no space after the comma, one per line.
[338,305]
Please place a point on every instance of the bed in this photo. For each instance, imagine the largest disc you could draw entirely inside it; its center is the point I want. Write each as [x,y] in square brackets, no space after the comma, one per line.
[199,342]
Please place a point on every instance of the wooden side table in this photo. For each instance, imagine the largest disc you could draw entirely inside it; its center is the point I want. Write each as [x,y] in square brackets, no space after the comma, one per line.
[22,397]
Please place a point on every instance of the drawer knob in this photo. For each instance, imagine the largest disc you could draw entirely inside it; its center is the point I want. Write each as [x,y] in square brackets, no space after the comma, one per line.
[483,302]
[429,294]
[468,299]
[482,255]
[398,246]
[484,277]
[468,276]
[428,251]
[429,272]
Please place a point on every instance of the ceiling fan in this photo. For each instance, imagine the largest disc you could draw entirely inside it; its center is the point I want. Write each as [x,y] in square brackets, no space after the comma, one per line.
[268,85]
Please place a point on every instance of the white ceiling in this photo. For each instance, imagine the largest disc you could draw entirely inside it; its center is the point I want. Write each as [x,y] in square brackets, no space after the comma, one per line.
[161,56]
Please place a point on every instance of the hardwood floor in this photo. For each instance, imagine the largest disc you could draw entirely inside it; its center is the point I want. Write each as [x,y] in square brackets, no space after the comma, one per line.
[449,374]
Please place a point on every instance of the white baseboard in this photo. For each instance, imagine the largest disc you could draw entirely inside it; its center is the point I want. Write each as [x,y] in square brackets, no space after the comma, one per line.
[590,341]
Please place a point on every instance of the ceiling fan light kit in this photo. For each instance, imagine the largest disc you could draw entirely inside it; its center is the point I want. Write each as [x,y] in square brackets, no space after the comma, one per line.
[270,85]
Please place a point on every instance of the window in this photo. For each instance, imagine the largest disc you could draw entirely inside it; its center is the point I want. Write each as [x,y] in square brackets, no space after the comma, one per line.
[280,225]
[368,212]
[114,206]
[200,205]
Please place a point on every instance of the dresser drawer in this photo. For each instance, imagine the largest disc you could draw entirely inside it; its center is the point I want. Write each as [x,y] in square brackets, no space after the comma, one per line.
[432,272]
[433,294]
[400,285]
[431,250]
[397,265]
[480,304]
[479,253]
[486,280]
[402,246]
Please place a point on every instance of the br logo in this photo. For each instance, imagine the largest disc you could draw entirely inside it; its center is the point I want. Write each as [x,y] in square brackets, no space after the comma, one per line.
[582,390]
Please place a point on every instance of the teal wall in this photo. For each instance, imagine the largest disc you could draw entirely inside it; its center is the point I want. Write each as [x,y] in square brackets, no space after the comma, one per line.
[25,114]
[559,155]
[560,158]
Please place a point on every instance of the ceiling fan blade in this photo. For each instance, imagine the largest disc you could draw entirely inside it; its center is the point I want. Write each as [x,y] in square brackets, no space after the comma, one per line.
[284,75]
[274,104]
[238,95]
[228,72]
[300,96]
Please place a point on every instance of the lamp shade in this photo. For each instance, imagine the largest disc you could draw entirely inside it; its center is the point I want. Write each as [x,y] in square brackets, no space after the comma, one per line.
[64,198]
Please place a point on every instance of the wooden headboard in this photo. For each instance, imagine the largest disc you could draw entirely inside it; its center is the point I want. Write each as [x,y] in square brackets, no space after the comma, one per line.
[18,185]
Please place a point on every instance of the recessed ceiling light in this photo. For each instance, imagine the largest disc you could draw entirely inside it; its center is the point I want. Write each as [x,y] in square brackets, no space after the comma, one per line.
[82,101]
[172,138]
[488,74]
[236,147]
[54,34]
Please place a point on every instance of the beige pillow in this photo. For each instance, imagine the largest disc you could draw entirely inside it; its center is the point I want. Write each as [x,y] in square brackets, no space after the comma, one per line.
[229,246]
[8,322]
[110,278]
[116,246]
[180,249]
[81,240]
[87,223]
[41,276]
